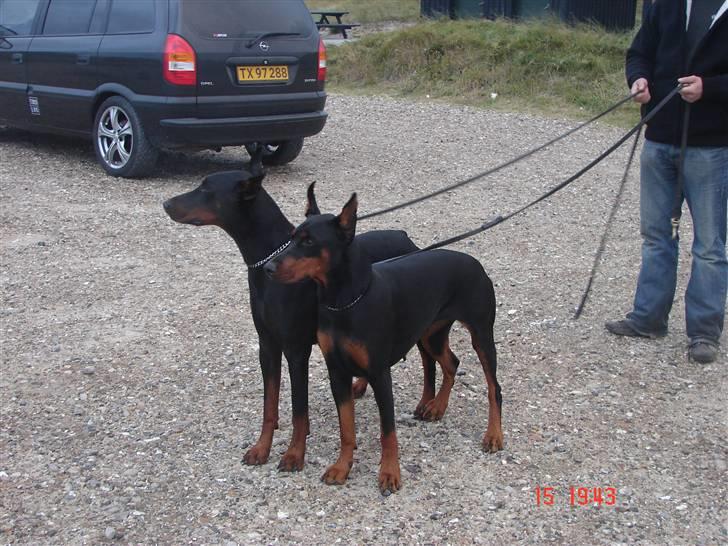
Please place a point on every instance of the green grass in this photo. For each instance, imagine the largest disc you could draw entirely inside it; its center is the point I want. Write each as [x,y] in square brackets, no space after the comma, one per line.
[371,11]
[543,67]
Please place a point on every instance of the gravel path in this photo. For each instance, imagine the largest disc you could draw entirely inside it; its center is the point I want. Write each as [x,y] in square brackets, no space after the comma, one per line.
[130,386]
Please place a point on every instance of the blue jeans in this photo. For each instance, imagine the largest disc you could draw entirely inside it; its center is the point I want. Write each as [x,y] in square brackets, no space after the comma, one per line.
[705,188]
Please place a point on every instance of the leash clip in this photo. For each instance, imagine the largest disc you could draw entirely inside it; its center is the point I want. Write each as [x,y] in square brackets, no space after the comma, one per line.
[675,222]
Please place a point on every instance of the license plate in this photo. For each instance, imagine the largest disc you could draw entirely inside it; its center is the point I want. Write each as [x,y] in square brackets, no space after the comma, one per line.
[274,73]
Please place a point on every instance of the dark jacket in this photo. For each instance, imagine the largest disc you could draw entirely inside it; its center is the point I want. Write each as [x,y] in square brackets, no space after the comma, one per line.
[658,53]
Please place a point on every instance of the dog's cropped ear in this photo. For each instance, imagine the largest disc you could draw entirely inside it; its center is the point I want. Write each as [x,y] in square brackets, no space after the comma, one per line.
[311,205]
[255,168]
[347,218]
[256,160]
[251,185]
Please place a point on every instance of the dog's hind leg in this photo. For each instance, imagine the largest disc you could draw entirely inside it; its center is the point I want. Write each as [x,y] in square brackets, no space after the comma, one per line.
[428,389]
[298,371]
[437,344]
[481,333]
[270,365]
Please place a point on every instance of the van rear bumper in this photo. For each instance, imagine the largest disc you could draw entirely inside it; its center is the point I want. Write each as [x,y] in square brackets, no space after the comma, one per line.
[181,132]
[211,122]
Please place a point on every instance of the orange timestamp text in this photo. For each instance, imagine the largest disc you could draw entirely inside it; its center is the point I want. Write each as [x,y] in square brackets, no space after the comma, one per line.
[578,496]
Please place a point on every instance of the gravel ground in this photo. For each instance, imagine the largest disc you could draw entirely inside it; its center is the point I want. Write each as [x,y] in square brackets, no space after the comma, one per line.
[130,385]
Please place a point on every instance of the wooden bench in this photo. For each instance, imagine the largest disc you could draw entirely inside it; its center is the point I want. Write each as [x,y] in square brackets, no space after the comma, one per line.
[324,21]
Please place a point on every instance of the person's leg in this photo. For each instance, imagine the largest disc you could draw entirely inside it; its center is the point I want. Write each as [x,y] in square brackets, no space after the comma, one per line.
[706,192]
[658,274]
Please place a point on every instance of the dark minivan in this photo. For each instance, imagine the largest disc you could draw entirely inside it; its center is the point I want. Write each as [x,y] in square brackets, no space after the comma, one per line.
[141,75]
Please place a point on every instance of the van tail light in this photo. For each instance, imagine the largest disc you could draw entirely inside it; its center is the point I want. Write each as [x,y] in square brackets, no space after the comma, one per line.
[321,62]
[180,66]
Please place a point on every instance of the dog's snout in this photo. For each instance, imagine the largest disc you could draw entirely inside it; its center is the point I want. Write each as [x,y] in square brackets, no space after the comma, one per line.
[167,204]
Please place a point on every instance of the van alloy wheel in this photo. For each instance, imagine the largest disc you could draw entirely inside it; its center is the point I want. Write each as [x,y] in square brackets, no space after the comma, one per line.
[120,141]
[115,137]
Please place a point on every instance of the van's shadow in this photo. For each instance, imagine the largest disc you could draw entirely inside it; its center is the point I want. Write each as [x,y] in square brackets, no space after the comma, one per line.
[171,164]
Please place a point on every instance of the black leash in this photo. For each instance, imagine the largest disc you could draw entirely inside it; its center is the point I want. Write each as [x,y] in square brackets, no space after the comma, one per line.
[676,210]
[603,242]
[499,219]
[677,204]
[497,167]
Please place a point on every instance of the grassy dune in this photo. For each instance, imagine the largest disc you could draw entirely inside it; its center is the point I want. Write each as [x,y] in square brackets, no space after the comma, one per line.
[539,66]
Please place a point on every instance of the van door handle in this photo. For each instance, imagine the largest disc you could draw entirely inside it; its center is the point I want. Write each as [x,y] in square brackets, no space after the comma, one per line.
[83,59]
[17,58]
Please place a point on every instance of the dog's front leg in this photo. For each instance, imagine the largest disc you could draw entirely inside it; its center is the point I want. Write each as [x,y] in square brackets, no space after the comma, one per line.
[389,473]
[270,365]
[298,371]
[340,381]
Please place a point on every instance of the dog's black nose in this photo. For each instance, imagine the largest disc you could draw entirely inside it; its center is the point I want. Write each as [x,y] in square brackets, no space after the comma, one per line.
[167,204]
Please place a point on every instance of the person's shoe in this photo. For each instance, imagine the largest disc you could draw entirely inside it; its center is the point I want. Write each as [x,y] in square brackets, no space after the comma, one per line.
[625,328]
[703,352]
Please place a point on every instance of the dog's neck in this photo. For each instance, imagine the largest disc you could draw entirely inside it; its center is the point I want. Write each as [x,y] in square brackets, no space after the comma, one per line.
[348,280]
[261,229]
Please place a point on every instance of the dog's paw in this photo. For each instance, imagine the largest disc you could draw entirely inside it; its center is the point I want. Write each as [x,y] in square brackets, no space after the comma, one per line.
[336,474]
[419,412]
[390,480]
[292,461]
[257,455]
[493,441]
[433,410]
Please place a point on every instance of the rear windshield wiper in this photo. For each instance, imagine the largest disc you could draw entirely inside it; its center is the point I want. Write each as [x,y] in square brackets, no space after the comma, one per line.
[251,43]
[7,31]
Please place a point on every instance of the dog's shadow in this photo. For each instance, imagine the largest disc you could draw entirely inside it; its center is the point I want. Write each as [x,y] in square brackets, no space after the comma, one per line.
[171,164]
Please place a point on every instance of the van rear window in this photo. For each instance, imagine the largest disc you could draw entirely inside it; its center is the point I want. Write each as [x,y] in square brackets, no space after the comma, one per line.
[221,19]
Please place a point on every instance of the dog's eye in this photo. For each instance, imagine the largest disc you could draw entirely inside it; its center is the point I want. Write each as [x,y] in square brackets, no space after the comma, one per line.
[307,241]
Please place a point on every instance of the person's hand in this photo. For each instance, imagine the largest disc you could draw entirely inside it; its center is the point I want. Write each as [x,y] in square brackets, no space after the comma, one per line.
[642,87]
[692,89]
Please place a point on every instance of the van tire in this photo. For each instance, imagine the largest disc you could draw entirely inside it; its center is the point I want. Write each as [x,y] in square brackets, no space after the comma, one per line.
[278,153]
[122,147]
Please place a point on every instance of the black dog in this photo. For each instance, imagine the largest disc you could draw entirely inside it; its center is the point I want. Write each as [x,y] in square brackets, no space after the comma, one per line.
[285,317]
[370,316]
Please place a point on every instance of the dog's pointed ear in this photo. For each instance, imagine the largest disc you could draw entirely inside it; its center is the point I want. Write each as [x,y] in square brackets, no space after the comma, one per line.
[347,218]
[256,159]
[251,185]
[311,205]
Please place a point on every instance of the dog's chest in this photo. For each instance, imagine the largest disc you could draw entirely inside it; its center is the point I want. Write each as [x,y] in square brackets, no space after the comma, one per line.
[344,351]
[286,312]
